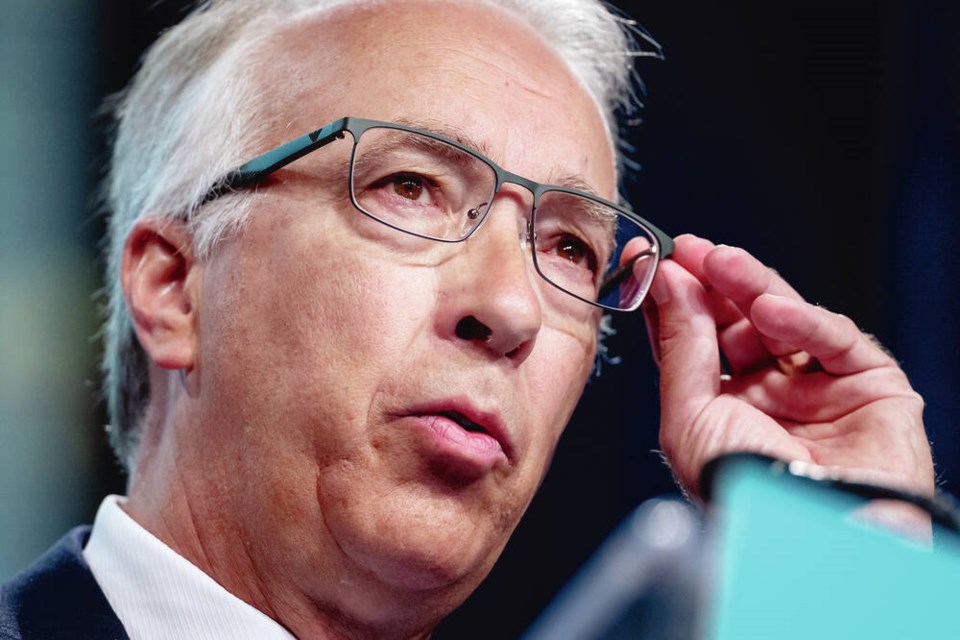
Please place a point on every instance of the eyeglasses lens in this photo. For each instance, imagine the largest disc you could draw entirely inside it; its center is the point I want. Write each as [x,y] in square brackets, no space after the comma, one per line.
[593,251]
[420,184]
[425,186]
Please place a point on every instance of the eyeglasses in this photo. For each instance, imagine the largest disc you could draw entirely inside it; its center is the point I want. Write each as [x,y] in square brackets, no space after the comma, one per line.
[433,187]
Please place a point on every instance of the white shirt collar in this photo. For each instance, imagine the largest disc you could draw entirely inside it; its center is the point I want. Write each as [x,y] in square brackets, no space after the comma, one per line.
[156,593]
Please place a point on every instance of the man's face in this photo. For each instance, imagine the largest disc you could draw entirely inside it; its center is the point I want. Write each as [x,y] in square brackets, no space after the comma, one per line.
[342,364]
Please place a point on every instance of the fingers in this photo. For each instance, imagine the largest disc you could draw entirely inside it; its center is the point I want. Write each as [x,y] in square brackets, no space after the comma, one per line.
[732,272]
[739,278]
[807,384]
[732,278]
[713,300]
[760,317]
[743,347]
[833,339]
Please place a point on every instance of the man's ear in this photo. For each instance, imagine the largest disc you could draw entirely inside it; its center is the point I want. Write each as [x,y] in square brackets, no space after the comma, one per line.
[159,279]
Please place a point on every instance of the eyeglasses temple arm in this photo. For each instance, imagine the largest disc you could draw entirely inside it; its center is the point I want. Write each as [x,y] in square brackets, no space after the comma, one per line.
[621,273]
[260,167]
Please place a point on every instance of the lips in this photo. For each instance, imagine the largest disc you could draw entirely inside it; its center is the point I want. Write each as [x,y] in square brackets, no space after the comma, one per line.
[458,429]
[465,423]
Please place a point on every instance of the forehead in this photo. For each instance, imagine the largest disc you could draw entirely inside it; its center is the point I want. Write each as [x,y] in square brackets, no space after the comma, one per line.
[459,67]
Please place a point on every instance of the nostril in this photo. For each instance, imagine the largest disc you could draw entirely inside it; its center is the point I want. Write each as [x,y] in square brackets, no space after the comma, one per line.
[469,328]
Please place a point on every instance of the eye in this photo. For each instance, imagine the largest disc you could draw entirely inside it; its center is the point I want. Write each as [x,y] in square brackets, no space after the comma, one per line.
[408,186]
[576,251]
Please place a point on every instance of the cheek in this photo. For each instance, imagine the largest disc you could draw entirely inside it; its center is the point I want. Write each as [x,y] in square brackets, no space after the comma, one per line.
[284,323]
[338,304]
[564,360]
[573,347]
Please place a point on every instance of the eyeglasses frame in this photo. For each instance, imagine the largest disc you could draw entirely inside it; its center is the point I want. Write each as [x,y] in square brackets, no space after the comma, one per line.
[256,170]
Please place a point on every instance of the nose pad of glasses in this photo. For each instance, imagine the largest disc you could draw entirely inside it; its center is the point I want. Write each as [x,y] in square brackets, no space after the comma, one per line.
[524,232]
[477,211]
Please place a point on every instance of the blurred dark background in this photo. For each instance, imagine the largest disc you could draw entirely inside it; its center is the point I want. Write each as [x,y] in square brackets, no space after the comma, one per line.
[824,136]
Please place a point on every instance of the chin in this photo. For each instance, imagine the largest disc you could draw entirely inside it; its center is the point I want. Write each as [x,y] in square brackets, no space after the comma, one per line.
[424,565]
[420,534]
[432,554]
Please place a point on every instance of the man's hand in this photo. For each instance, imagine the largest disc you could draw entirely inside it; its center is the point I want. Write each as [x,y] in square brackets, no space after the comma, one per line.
[803,384]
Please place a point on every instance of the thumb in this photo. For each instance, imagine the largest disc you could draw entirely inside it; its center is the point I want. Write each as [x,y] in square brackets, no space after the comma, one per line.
[686,333]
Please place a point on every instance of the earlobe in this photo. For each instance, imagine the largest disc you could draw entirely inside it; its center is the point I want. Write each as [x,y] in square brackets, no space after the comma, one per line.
[157,270]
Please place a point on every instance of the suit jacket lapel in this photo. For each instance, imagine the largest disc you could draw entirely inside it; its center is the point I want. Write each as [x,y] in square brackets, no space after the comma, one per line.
[57,597]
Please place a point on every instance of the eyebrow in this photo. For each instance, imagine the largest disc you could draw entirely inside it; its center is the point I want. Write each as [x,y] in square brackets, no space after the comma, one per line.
[571,181]
[375,152]
[448,131]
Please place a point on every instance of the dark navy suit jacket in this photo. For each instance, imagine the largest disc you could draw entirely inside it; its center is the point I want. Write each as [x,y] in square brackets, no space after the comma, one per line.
[57,597]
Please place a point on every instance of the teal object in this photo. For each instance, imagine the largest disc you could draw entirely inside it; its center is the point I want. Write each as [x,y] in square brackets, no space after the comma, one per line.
[792,564]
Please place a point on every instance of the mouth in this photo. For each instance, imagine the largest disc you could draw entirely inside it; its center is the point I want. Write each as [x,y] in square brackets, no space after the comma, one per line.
[480,430]
[465,423]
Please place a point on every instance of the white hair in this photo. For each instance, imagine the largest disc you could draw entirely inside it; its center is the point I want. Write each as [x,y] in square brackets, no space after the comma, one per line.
[186,120]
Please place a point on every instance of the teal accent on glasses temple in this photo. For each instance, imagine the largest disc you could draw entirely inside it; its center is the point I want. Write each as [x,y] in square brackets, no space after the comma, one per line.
[262,166]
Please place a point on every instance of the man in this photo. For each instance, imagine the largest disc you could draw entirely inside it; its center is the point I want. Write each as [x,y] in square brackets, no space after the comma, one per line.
[337,374]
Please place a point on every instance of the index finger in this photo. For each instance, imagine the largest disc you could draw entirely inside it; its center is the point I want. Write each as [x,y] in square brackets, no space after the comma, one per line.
[733,279]
[833,339]
[743,278]
[784,320]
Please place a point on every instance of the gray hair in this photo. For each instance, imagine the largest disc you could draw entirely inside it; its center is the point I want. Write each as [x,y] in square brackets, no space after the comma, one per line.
[185,121]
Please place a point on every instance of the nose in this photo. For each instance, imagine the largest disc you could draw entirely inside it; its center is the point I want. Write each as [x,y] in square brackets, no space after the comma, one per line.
[490,298]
